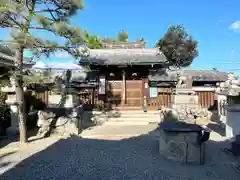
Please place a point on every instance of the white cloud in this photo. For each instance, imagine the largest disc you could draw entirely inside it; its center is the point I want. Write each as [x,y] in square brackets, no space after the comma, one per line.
[235,25]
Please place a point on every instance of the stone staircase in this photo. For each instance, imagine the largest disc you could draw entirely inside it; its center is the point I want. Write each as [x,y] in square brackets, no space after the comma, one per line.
[126,117]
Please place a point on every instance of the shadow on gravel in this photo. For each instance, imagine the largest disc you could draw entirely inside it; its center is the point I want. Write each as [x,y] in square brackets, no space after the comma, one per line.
[134,158]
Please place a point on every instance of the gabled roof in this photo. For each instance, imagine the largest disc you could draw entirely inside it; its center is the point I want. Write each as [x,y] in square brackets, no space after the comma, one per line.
[126,56]
[197,75]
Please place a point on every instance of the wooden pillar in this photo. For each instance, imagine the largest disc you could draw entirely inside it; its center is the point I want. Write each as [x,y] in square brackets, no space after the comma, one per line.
[145,88]
[123,87]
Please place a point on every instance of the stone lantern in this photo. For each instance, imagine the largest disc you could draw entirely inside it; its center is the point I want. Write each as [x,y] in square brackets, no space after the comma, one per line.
[229,110]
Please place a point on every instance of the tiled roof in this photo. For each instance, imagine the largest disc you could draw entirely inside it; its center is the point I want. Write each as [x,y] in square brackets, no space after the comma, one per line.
[126,56]
[125,45]
[197,75]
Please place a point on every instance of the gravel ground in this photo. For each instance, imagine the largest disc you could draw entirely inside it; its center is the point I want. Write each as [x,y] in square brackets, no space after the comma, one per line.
[127,159]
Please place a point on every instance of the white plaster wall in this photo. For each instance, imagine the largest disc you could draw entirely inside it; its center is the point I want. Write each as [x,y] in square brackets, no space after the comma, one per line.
[54,100]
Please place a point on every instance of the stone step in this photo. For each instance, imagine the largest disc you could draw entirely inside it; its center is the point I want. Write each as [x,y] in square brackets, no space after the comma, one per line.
[132,112]
[127,115]
[121,112]
[129,118]
[123,123]
[117,115]
[134,118]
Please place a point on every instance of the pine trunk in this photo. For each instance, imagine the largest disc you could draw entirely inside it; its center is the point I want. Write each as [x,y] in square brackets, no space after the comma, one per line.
[21,114]
[20,97]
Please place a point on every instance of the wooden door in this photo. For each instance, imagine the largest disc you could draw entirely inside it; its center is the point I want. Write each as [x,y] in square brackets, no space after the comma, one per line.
[134,97]
[114,93]
[133,91]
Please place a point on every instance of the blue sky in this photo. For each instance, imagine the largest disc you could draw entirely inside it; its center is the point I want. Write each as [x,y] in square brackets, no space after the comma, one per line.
[213,23]
[208,21]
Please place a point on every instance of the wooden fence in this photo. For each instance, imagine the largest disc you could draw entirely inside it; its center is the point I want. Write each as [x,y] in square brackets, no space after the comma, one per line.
[92,100]
[205,99]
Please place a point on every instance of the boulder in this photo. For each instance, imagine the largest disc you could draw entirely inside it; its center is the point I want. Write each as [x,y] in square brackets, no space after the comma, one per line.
[44,122]
[63,125]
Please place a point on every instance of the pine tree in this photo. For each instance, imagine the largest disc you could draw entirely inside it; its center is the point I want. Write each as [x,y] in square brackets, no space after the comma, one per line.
[122,36]
[26,18]
[178,46]
[92,41]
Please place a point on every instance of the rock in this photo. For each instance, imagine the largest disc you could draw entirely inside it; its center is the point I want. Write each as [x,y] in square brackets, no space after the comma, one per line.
[184,113]
[63,125]
[44,122]
[66,126]
[45,118]
[203,113]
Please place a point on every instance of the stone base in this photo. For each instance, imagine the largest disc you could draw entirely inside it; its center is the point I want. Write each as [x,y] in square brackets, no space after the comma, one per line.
[184,99]
[184,91]
[179,147]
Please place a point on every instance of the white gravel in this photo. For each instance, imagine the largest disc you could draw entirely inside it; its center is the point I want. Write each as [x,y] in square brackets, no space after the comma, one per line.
[90,159]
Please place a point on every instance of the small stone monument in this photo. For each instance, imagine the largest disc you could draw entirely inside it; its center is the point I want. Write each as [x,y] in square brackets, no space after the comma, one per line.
[184,96]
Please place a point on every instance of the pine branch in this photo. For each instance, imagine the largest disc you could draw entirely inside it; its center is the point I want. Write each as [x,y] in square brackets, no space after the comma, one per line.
[47,10]
[60,10]
[26,15]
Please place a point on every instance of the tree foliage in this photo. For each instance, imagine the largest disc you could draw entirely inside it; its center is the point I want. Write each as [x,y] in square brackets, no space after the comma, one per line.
[122,36]
[108,40]
[178,46]
[92,41]
[25,18]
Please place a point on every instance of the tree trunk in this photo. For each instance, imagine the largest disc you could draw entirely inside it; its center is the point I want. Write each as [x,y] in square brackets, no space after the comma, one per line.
[21,114]
[20,96]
